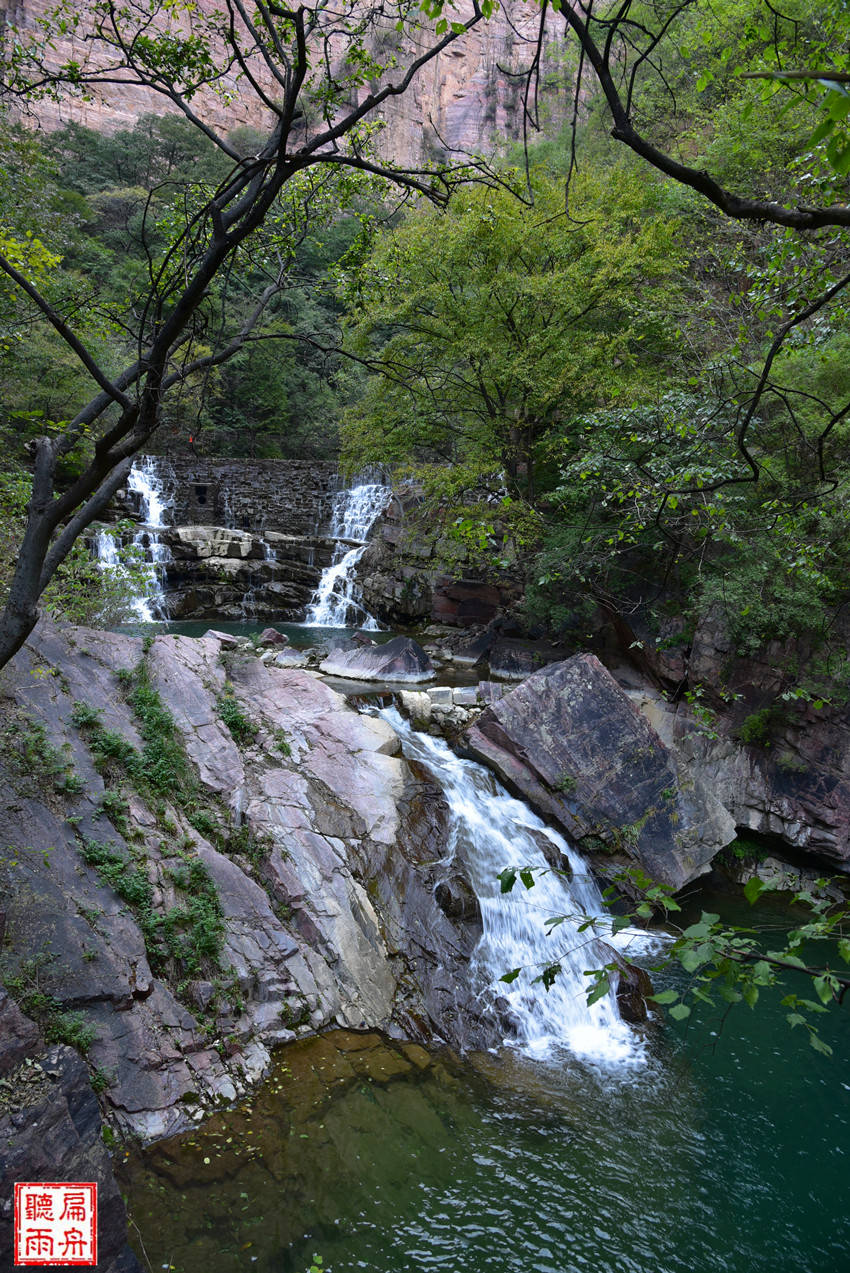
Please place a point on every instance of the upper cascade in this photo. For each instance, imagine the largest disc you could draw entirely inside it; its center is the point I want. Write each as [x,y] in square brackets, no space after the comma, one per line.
[336,602]
[149,481]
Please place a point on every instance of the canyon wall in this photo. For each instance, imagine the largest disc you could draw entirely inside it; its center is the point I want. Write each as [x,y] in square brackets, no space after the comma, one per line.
[464,100]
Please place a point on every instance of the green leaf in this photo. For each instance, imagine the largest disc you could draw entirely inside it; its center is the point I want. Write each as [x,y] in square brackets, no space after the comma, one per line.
[844,949]
[548,975]
[751,994]
[510,976]
[823,130]
[818,1044]
[665,996]
[507,879]
[753,889]
[787,958]
[824,988]
[697,930]
[837,103]
[690,959]
[527,877]
[680,1011]
[598,991]
[794,1019]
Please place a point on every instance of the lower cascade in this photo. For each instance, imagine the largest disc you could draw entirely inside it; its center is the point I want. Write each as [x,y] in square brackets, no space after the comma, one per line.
[489,832]
[336,601]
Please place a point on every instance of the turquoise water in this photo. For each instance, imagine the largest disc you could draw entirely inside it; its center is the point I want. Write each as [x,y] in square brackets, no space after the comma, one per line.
[727,1153]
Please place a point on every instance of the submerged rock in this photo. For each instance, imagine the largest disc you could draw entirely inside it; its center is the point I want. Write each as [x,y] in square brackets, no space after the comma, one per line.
[271,637]
[633,986]
[401,659]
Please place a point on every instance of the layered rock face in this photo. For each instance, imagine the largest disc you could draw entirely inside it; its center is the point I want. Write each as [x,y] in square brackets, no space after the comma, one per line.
[290,497]
[216,572]
[462,101]
[288,882]
[570,740]
[405,578]
[50,1129]
[641,781]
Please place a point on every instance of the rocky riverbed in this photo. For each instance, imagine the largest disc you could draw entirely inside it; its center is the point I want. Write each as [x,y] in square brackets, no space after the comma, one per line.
[209,852]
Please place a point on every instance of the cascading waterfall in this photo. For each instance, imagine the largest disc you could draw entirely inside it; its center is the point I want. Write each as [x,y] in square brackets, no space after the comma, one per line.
[490,831]
[336,601]
[146,481]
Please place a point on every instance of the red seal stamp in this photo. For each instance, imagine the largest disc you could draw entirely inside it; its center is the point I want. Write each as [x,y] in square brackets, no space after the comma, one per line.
[55,1223]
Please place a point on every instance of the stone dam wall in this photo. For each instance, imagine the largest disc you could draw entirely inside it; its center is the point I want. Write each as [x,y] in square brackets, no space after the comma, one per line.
[242,538]
[291,497]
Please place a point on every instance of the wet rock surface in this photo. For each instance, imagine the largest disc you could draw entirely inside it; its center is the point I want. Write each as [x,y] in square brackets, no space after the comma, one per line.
[795,789]
[319,842]
[401,659]
[404,575]
[220,572]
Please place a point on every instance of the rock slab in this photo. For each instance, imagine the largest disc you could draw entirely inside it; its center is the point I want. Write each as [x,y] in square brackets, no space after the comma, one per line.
[571,742]
[401,660]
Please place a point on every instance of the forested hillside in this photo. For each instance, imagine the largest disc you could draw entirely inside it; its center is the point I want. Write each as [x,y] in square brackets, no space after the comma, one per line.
[648,394]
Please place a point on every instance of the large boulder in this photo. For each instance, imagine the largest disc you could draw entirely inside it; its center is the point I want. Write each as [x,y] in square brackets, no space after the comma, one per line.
[400,659]
[572,743]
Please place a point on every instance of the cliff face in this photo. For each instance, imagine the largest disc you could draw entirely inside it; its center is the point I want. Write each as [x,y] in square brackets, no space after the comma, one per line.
[462,101]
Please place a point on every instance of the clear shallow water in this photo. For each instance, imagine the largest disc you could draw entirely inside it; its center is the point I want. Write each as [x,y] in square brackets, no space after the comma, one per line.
[724,1154]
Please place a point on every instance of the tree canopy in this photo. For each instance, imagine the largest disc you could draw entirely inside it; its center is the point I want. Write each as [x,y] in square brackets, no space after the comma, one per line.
[492,324]
[740,109]
[319,79]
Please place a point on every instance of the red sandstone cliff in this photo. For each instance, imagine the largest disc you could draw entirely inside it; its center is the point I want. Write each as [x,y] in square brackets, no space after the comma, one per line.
[464,99]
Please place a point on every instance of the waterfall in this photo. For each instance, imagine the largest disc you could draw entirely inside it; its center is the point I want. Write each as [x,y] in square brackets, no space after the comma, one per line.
[146,482]
[336,601]
[490,831]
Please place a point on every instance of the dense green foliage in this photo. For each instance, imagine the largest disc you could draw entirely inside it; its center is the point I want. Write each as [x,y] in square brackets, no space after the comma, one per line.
[92,212]
[499,323]
[665,391]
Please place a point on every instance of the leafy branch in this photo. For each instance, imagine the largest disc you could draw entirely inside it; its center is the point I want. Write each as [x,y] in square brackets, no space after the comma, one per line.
[726,963]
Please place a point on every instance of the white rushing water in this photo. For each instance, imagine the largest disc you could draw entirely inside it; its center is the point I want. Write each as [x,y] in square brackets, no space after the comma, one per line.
[148,482]
[336,602]
[490,831]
